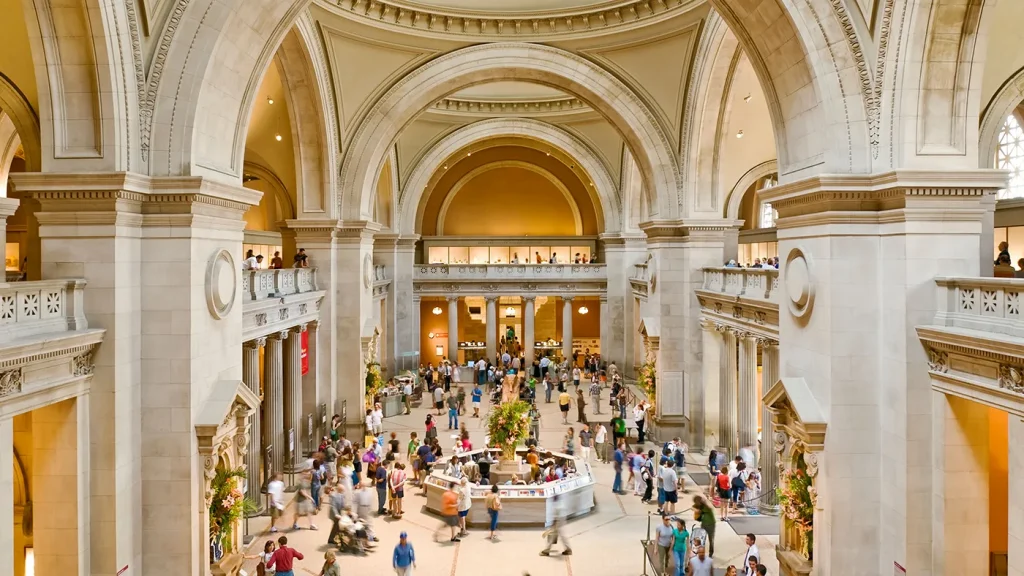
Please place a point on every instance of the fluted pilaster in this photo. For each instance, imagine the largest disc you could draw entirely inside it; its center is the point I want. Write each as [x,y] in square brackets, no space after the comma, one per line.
[492,327]
[768,457]
[273,401]
[254,456]
[728,437]
[706,431]
[567,328]
[293,395]
[528,317]
[748,401]
[453,328]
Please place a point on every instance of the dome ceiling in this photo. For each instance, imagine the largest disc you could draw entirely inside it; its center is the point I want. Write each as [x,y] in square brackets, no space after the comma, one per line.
[504,7]
[509,91]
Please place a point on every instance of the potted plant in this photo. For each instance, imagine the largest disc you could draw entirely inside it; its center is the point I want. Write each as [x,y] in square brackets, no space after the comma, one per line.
[374,382]
[507,425]
[227,506]
[648,381]
[797,498]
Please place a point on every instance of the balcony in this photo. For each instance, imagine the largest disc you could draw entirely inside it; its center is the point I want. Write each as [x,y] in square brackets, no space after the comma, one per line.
[985,304]
[741,298]
[261,284]
[511,278]
[755,283]
[30,309]
[275,300]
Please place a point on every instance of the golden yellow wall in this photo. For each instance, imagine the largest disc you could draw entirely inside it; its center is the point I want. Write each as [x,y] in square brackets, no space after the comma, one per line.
[436,324]
[999,480]
[382,205]
[264,216]
[509,195]
[16,56]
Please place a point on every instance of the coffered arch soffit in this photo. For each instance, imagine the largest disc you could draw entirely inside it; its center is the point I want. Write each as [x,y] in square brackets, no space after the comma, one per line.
[605,193]
[418,90]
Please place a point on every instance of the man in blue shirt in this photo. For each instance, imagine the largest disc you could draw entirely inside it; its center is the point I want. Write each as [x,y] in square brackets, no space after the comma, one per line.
[619,459]
[476,395]
[404,558]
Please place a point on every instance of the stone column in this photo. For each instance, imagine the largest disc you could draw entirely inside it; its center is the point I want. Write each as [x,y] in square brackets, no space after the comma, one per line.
[706,436]
[311,398]
[528,314]
[7,488]
[418,338]
[293,396]
[254,455]
[567,328]
[55,506]
[453,328]
[728,439]
[748,400]
[767,456]
[492,327]
[606,329]
[274,434]
[1015,539]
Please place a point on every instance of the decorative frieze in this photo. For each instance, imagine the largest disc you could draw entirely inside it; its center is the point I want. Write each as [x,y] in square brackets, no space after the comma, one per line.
[82,364]
[938,360]
[1011,378]
[10,382]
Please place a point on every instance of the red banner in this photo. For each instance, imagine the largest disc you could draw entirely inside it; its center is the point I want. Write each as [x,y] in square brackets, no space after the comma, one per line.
[305,352]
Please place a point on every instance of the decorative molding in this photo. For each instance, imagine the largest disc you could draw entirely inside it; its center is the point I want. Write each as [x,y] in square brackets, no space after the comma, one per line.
[261,319]
[1011,378]
[490,108]
[10,382]
[535,26]
[938,360]
[82,365]
[220,299]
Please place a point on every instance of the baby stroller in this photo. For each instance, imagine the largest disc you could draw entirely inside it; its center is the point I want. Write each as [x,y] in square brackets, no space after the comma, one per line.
[698,536]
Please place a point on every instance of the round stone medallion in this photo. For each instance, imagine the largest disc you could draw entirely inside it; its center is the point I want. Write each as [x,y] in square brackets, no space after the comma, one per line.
[367,270]
[799,283]
[221,283]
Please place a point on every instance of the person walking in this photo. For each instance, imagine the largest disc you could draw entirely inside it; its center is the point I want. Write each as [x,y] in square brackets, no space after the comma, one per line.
[263,557]
[585,439]
[450,512]
[453,412]
[275,493]
[600,438]
[304,502]
[283,558]
[664,535]
[557,531]
[330,567]
[569,444]
[680,537]
[377,419]
[465,502]
[563,404]
[337,502]
[580,405]
[701,565]
[403,560]
[670,483]
[619,458]
[438,398]
[493,503]
[595,396]
[640,418]
[476,396]
[705,514]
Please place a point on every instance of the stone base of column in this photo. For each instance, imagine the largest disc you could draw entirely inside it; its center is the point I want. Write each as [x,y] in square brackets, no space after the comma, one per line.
[769,509]
[665,428]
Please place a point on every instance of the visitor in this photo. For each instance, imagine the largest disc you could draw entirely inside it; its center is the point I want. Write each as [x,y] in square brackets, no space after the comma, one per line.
[362,500]
[465,503]
[701,565]
[275,493]
[493,503]
[737,485]
[252,262]
[563,381]
[276,263]
[730,570]
[752,552]
[282,559]
[460,397]
[547,389]
[304,502]
[640,418]
[576,374]
[664,536]
[449,513]
[619,458]
[378,419]
[647,476]
[599,442]
[398,478]
[515,258]
[300,260]
[750,568]
[581,417]
[263,557]
[721,485]
[680,537]
[670,482]
[476,396]
[439,399]
[705,514]
[569,443]
[453,412]
[380,481]
[316,481]
[554,258]
[538,259]
[403,560]
[557,531]
[563,404]
[585,439]
[636,464]
[712,462]
[407,396]
[330,567]
[336,504]
[595,395]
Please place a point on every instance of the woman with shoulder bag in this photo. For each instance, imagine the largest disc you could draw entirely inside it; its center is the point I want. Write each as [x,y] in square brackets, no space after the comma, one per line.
[493,508]
[263,557]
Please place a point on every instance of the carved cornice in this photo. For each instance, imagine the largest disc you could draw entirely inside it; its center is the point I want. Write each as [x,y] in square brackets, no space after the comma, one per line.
[494,107]
[535,26]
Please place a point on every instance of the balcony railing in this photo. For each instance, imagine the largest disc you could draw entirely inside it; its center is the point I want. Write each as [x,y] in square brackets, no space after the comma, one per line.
[380,273]
[760,283]
[986,304]
[640,273]
[41,307]
[260,284]
[510,272]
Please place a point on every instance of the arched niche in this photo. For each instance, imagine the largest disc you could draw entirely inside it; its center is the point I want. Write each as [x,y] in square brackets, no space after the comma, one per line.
[276,204]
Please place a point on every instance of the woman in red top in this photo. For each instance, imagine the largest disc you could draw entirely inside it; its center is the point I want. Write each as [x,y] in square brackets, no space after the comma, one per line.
[721,486]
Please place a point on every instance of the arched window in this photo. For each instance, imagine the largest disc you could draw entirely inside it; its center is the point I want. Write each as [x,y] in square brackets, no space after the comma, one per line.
[1010,156]
[768,214]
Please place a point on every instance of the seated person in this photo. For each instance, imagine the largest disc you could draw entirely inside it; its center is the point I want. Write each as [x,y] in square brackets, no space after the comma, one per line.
[355,530]
[454,468]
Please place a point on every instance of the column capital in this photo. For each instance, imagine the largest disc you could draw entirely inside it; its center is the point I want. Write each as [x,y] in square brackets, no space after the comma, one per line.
[529,298]
[568,298]
[709,325]
[282,335]
[748,336]
[767,342]
[490,298]
[314,325]
[452,298]
[299,329]
[255,343]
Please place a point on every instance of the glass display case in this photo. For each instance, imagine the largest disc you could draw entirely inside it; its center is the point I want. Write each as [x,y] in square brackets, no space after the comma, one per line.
[506,251]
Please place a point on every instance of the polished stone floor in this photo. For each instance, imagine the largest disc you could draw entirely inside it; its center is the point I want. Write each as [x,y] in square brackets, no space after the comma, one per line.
[606,542]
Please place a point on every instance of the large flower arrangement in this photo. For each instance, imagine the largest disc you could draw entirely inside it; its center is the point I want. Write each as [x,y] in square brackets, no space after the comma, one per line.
[648,380]
[227,505]
[374,382]
[507,424]
[797,497]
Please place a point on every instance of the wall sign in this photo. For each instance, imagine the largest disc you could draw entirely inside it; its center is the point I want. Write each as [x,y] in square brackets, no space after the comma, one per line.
[305,352]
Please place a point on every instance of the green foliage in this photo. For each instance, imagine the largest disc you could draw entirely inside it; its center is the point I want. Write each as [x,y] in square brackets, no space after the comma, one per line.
[507,425]
[227,505]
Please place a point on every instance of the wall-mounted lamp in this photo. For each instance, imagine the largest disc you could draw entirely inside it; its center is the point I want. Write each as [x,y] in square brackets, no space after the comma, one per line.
[739,134]
[439,350]
[510,312]
[583,310]
[270,99]
[436,311]
[430,335]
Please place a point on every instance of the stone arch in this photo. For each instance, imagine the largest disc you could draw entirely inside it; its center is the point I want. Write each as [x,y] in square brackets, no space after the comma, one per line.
[410,204]
[17,110]
[645,137]
[1006,99]
[735,198]
[306,81]
[282,200]
[200,105]
[450,195]
[810,64]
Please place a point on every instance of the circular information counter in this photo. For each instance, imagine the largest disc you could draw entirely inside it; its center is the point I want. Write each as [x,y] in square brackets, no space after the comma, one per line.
[521,504]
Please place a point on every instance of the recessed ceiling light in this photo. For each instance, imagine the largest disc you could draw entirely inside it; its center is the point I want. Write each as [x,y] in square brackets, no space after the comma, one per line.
[277,137]
[445,166]
[739,134]
[548,153]
[469,154]
[270,100]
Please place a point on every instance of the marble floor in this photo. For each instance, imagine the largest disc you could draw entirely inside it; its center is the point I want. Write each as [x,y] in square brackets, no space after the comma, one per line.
[606,542]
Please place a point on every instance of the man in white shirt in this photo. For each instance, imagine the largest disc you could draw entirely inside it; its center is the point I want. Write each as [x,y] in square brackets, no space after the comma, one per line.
[701,564]
[506,360]
[669,482]
[377,419]
[275,490]
[544,363]
[252,262]
[576,376]
[751,549]
[640,418]
[407,391]
[599,440]
[481,371]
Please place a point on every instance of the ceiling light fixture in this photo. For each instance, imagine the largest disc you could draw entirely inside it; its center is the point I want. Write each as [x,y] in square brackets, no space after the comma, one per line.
[445,166]
[468,154]
[746,98]
[277,137]
[583,310]
[510,311]
[430,335]
[436,310]
[739,134]
[270,99]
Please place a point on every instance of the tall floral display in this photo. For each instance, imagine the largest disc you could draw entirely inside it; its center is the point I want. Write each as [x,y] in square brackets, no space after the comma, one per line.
[226,508]
[507,425]
[797,498]
[648,380]
[374,382]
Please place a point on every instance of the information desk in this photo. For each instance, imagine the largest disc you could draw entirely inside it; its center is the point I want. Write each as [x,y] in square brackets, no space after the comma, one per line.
[522,505]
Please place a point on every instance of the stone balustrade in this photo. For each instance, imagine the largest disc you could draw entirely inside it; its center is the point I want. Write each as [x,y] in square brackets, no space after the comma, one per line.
[985,304]
[640,273]
[380,273]
[755,283]
[48,306]
[536,272]
[262,284]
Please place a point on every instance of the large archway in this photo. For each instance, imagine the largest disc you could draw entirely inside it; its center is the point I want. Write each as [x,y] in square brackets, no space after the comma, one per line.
[606,196]
[644,136]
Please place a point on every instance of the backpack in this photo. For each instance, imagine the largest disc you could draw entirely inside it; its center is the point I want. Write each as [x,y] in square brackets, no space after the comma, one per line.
[737,481]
